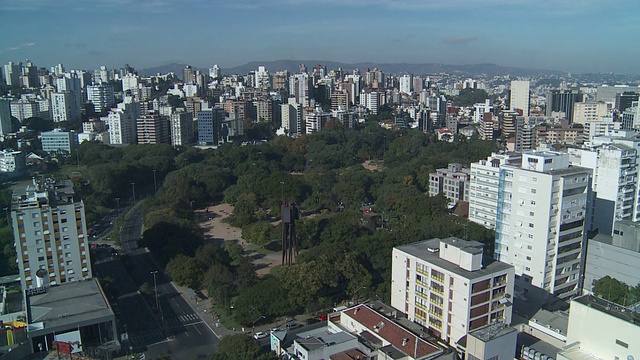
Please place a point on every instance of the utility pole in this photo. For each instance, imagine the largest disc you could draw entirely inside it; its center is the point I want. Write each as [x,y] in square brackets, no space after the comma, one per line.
[133,186]
[155,184]
[118,206]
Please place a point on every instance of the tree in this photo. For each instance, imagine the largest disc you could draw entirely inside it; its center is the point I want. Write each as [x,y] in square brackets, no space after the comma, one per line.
[240,347]
[611,289]
[185,271]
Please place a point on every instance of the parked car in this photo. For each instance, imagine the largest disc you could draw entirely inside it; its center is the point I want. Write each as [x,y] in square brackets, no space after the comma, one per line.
[260,335]
[292,326]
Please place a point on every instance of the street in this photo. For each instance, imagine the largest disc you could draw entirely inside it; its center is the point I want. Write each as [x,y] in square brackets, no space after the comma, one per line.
[172,327]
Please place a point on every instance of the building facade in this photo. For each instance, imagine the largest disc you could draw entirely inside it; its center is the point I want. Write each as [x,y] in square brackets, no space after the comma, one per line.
[58,140]
[101,96]
[210,126]
[446,286]
[541,219]
[50,235]
[453,182]
[519,96]
[152,129]
[181,128]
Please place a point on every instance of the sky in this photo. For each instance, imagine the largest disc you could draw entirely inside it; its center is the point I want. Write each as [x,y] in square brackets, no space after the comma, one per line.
[575,36]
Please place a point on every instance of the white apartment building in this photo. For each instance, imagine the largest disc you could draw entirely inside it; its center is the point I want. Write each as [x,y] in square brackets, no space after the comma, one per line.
[101,96]
[614,163]
[600,329]
[181,123]
[453,182]
[315,120]
[65,106]
[631,117]
[24,109]
[444,285]
[50,235]
[122,123]
[299,87]
[371,101]
[291,115]
[5,117]
[129,82]
[603,126]
[519,96]
[588,111]
[11,161]
[262,78]
[541,215]
[405,84]
[484,186]
[479,109]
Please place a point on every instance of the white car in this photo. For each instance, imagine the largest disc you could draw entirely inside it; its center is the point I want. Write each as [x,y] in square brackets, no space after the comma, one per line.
[260,335]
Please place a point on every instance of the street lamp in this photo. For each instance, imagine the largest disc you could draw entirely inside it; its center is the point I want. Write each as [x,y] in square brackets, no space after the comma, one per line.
[155,286]
[155,184]
[282,190]
[355,292]
[118,205]
[384,148]
[253,326]
[133,186]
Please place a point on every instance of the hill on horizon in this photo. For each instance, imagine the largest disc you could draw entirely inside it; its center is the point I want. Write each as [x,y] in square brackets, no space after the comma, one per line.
[391,68]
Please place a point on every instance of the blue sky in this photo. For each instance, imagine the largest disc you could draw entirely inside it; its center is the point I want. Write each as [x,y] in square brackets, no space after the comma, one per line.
[577,36]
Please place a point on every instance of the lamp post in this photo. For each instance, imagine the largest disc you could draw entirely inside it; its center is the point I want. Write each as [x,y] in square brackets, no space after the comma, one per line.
[155,287]
[282,191]
[118,205]
[155,184]
[253,326]
[355,292]
[384,148]
[133,186]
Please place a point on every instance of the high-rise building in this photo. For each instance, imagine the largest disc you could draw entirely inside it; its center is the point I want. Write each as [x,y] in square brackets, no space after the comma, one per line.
[101,96]
[50,235]
[453,182]
[563,101]
[292,117]
[370,100]
[181,128]
[129,82]
[519,96]
[152,129]
[487,126]
[5,117]
[484,186]
[541,219]
[405,84]
[479,109]
[122,123]
[24,109]
[631,117]
[315,120]
[187,75]
[209,126]
[262,78]
[64,106]
[12,73]
[340,99]
[215,72]
[446,286]
[588,111]
[614,162]
[625,100]
[264,110]
[300,88]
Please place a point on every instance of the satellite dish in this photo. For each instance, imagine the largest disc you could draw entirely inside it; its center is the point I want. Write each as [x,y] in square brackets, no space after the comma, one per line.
[41,273]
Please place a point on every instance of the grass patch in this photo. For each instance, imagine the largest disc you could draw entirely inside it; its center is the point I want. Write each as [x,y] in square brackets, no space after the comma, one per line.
[225,319]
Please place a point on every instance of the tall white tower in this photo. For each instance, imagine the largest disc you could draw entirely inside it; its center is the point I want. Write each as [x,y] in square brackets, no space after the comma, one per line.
[520,96]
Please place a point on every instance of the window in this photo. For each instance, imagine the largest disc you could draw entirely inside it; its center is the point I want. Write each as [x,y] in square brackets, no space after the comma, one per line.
[67,254]
[529,258]
[533,202]
[65,229]
[533,191]
[40,250]
[36,223]
[35,215]
[622,343]
[531,225]
[526,268]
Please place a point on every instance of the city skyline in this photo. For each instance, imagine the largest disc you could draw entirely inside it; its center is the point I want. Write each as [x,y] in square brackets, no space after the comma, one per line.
[591,36]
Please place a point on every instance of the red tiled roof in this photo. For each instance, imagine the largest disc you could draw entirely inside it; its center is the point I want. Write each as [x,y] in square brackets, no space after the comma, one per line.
[391,332]
[351,354]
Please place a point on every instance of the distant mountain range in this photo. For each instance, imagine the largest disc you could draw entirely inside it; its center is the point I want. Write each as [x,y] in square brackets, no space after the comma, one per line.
[390,68]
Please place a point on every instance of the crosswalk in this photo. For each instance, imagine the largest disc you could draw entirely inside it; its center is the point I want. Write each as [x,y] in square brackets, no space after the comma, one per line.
[181,319]
[147,337]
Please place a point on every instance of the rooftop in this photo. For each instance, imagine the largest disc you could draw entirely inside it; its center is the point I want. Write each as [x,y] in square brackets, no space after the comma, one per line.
[556,320]
[421,250]
[319,338]
[69,304]
[492,331]
[383,327]
[611,308]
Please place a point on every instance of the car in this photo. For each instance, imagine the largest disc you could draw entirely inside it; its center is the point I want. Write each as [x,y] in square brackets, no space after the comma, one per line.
[311,320]
[259,335]
[292,326]
[322,317]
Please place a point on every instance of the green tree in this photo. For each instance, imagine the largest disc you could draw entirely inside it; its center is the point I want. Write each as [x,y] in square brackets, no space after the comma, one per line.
[611,289]
[184,271]
[241,347]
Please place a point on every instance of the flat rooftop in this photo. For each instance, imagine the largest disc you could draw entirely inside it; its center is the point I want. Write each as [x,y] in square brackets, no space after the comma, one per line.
[420,250]
[69,304]
[492,331]
[611,308]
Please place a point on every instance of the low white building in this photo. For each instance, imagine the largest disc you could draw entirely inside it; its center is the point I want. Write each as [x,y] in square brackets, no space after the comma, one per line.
[10,161]
[600,329]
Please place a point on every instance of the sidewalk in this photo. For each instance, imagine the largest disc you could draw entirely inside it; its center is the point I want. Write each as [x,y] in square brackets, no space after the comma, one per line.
[204,311]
